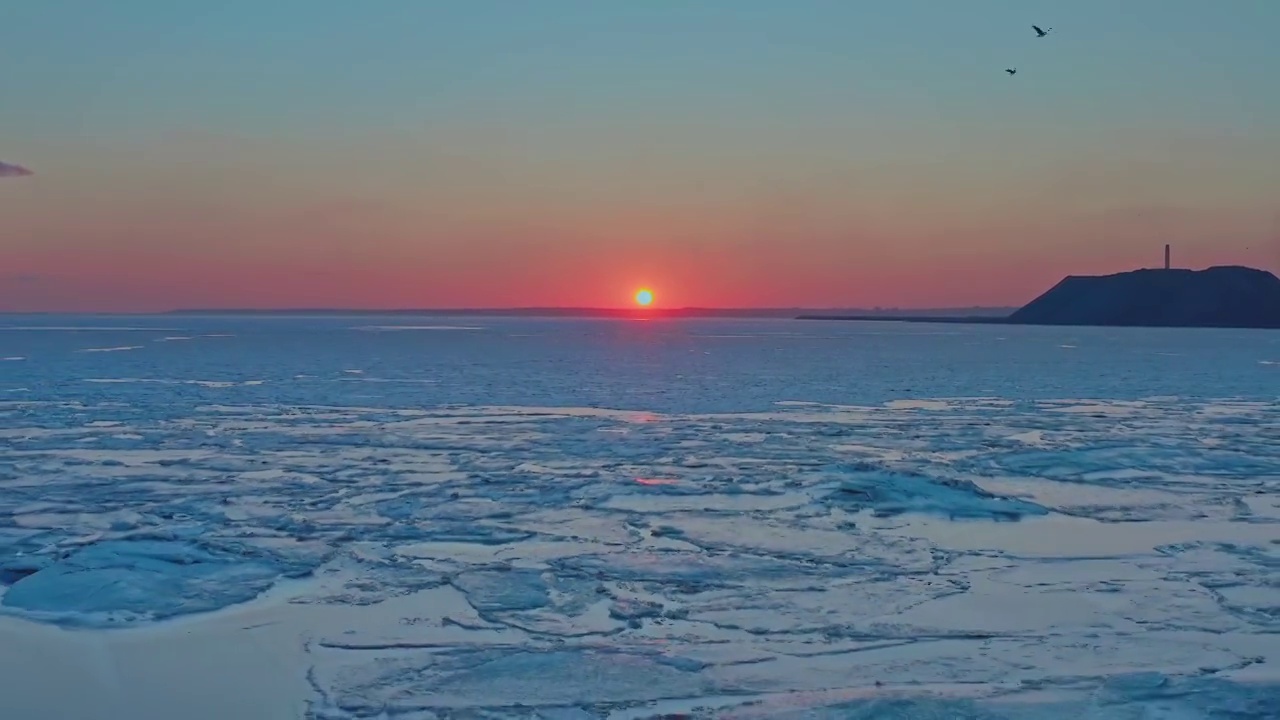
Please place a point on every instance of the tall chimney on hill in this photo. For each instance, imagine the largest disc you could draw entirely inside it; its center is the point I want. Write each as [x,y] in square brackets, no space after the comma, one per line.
[1166,257]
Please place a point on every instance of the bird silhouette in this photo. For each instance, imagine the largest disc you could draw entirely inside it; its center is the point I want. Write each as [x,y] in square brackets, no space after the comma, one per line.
[1011,71]
[1039,32]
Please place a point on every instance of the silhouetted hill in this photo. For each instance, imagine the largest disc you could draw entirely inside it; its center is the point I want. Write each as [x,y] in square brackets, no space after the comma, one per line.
[1226,296]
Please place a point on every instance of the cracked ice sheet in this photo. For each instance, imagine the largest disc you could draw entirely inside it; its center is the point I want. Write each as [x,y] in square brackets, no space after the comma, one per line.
[462,557]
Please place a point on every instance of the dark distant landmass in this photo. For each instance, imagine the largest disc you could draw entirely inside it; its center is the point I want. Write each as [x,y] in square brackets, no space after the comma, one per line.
[913,318]
[1222,297]
[1225,296]
[552,312]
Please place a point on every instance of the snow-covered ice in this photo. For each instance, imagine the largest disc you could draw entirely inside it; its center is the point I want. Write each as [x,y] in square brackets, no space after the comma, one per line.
[590,519]
[118,348]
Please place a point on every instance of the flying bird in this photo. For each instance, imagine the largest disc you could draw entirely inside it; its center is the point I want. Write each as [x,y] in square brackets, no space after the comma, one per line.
[1039,32]
[1011,71]
[7,170]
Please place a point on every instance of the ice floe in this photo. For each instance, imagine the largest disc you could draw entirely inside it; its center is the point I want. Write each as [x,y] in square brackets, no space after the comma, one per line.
[983,557]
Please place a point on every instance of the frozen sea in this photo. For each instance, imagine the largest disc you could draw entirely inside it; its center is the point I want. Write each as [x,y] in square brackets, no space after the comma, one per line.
[408,518]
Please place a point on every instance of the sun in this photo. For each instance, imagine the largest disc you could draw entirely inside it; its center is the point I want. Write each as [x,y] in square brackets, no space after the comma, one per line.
[644,297]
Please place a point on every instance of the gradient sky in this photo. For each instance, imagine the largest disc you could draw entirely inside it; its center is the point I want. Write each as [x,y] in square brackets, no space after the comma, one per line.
[288,153]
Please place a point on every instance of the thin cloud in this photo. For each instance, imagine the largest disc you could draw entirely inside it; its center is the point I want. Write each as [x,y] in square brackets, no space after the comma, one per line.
[22,279]
[7,170]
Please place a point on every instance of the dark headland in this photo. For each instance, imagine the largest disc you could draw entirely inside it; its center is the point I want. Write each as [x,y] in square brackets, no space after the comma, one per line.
[1221,297]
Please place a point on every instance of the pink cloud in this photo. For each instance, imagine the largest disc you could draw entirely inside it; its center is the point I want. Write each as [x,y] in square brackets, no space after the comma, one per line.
[7,170]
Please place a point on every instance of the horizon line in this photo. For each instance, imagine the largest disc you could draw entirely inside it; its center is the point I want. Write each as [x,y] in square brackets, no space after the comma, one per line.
[558,309]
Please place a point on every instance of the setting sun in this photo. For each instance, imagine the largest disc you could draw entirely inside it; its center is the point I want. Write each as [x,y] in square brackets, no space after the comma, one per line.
[644,297]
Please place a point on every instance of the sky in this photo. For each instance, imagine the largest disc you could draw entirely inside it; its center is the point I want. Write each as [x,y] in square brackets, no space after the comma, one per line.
[724,153]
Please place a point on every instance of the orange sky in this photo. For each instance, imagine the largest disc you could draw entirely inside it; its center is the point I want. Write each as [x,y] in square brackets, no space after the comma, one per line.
[163,229]
[786,155]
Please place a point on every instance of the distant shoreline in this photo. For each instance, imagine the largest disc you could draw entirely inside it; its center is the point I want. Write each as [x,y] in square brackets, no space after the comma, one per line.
[979,320]
[952,319]
[691,312]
